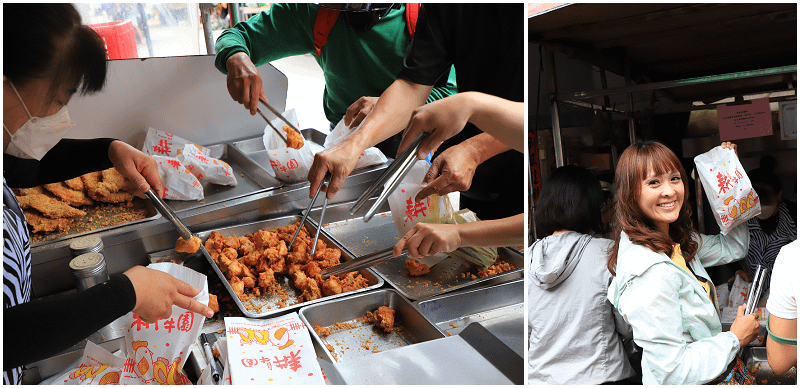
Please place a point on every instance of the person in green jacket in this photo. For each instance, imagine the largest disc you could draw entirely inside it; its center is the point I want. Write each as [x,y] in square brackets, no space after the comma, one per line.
[661,287]
[359,60]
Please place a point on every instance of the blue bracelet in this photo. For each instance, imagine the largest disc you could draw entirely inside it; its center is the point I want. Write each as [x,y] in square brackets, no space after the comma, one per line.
[780,340]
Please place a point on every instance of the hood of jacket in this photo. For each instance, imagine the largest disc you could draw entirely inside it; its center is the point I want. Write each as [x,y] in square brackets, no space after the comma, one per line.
[553,258]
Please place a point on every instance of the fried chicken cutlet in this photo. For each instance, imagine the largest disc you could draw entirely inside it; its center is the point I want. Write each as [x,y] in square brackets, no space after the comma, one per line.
[44,224]
[50,207]
[416,268]
[68,195]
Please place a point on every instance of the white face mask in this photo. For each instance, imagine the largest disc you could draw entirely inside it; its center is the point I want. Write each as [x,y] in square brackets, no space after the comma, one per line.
[39,134]
[767,211]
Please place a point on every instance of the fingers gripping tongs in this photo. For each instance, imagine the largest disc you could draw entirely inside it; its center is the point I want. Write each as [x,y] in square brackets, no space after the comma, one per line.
[389,179]
[755,290]
[280,116]
[305,216]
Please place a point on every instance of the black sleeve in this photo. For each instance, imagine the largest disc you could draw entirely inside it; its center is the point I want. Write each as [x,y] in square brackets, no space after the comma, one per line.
[427,59]
[41,328]
[68,159]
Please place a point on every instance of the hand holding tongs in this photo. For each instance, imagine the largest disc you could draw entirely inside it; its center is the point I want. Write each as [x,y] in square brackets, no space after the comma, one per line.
[308,211]
[165,211]
[389,179]
[755,290]
[280,116]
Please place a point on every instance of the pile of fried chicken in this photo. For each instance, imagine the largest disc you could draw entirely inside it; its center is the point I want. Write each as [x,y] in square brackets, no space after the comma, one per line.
[250,263]
[54,206]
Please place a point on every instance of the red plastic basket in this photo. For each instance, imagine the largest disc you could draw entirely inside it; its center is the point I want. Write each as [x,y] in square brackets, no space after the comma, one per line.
[119,37]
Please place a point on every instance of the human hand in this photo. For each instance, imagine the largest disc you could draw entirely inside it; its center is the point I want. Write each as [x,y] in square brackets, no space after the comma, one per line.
[442,119]
[244,82]
[729,145]
[428,239]
[359,110]
[745,327]
[451,171]
[338,160]
[138,168]
[157,291]
[742,275]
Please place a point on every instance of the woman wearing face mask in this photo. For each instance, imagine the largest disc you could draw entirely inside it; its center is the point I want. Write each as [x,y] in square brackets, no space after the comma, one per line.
[44,64]
[661,287]
[776,226]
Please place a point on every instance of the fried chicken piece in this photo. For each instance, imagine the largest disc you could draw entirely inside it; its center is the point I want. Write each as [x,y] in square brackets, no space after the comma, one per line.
[75,183]
[238,288]
[213,304]
[265,239]
[50,207]
[232,242]
[331,286]
[499,266]
[68,195]
[311,291]
[32,190]
[383,318]
[90,182]
[249,282]
[112,182]
[44,224]
[106,186]
[246,246]
[311,269]
[322,331]
[253,258]
[112,197]
[353,281]
[330,257]
[190,246]
[294,139]
[266,279]
[416,268]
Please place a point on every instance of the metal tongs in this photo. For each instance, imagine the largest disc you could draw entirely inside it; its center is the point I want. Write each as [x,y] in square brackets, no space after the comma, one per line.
[165,211]
[389,179]
[277,114]
[308,211]
[755,290]
[360,262]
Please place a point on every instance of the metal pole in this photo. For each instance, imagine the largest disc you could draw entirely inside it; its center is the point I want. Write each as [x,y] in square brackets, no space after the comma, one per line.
[233,12]
[698,195]
[205,9]
[145,28]
[607,103]
[551,69]
[631,121]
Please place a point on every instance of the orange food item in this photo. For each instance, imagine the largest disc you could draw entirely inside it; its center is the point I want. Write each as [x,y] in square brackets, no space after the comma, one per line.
[294,138]
[383,318]
[416,268]
[213,304]
[190,246]
[322,331]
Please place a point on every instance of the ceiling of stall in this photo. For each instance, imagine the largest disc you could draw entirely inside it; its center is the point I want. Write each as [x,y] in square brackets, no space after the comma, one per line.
[670,42]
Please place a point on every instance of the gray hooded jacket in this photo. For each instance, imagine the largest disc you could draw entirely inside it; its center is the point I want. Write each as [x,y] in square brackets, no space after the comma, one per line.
[575,334]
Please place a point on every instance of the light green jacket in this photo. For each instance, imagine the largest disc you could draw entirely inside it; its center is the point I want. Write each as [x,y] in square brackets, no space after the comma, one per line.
[673,319]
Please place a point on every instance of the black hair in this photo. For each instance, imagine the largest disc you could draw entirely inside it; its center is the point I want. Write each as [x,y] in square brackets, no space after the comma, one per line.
[571,199]
[49,41]
[765,173]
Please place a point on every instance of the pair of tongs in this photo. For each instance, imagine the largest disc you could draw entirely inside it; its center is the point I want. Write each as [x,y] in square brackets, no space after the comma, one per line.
[755,290]
[389,179]
[277,114]
[360,262]
[165,211]
[308,211]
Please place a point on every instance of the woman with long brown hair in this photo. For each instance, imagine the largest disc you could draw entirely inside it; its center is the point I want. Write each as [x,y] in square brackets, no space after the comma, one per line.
[661,287]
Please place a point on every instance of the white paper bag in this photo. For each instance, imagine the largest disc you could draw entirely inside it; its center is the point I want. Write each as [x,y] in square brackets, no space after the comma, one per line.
[371,156]
[179,182]
[166,144]
[156,352]
[206,168]
[727,188]
[97,367]
[290,165]
[271,351]
[407,212]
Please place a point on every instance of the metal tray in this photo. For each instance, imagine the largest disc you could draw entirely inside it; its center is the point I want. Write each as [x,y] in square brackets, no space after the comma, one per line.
[255,150]
[499,308]
[365,340]
[755,358]
[362,238]
[55,237]
[265,304]
[250,178]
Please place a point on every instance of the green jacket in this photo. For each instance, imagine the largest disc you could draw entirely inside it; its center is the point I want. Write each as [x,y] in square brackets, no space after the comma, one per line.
[673,319]
[354,64]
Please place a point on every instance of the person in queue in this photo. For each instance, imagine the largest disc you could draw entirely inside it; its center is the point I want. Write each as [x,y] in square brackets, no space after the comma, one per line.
[359,47]
[776,226]
[487,52]
[573,340]
[661,287]
[45,63]
[497,117]
[782,307]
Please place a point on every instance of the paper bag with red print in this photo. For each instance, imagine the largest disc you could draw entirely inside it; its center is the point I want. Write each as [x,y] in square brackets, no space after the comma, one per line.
[407,212]
[156,352]
[179,182]
[290,165]
[206,168]
[166,144]
[271,351]
[97,367]
[727,188]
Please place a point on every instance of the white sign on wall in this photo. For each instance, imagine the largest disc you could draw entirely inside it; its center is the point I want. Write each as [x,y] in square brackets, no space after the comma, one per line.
[788,118]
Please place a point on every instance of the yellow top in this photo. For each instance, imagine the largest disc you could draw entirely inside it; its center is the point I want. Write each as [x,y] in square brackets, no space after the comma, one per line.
[677,258]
